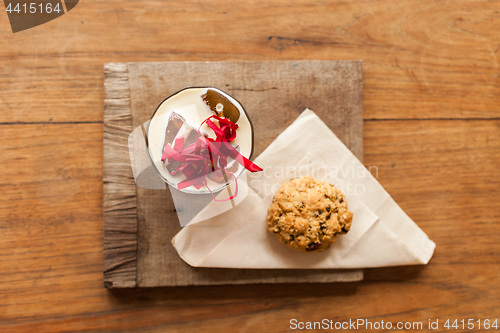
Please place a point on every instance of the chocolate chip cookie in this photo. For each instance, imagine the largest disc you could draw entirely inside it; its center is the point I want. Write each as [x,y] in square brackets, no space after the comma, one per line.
[308,214]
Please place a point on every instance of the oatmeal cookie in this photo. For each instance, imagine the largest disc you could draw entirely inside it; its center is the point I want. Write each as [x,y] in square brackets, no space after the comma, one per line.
[308,214]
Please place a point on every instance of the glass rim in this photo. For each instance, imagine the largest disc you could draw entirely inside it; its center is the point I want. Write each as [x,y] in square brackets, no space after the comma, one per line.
[206,190]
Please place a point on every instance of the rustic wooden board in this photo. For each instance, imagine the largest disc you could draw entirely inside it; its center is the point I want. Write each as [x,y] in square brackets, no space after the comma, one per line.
[139,223]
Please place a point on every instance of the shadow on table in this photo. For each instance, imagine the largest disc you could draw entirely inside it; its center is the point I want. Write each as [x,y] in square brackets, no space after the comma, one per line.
[143,296]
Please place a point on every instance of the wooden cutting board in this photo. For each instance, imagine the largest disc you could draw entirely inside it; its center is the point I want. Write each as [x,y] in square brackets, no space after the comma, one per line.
[139,223]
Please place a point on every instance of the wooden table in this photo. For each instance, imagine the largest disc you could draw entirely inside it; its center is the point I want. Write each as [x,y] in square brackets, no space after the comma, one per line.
[431,131]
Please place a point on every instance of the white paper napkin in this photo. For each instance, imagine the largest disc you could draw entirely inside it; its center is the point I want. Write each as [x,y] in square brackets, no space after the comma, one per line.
[381,233]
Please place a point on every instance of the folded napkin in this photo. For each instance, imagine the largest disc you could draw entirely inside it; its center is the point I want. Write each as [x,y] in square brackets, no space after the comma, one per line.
[381,233]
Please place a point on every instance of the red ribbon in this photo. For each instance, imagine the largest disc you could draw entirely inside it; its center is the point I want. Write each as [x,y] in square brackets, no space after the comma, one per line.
[206,155]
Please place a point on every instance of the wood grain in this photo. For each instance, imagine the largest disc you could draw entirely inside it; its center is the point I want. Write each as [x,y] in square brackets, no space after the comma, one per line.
[51,259]
[431,87]
[119,191]
[422,59]
[273,101]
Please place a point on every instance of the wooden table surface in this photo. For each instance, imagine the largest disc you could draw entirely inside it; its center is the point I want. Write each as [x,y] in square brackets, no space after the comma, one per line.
[431,130]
